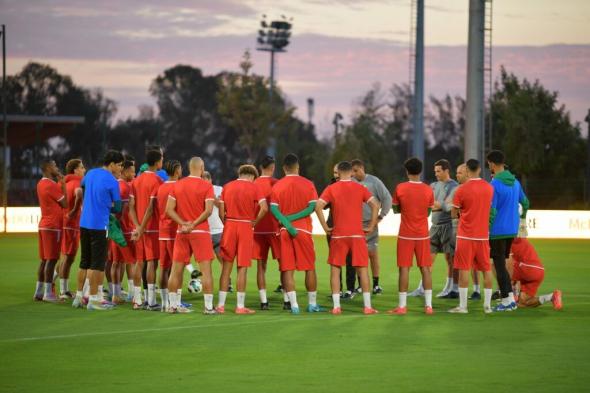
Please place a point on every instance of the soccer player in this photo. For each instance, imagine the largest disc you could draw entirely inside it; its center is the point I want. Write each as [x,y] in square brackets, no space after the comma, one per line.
[71,224]
[266,232]
[472,203]
[143,211]
[505,220]
[101,197]
[167,228]
[52,198]
[123,257]
[347,199]
[190,203]
[293,199]
[527,273]
[215,227]
[238,211]
[379,191]
[414,200]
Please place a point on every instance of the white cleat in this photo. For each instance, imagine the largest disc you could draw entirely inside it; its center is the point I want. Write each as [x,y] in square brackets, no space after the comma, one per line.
[418,292]
[487,310]
[458,310]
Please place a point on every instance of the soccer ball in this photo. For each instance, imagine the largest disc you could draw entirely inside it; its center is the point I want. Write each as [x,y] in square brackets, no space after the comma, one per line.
[195,286]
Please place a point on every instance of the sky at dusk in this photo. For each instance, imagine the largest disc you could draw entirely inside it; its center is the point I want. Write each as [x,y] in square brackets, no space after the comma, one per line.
[339,49]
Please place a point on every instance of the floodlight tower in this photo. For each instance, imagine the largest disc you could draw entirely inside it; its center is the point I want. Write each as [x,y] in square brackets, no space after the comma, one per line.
[4,130]
[417,76]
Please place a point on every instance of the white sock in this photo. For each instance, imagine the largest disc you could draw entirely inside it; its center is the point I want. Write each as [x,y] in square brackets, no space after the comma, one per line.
[39,288]
[151,294]
[137,295]
[95,298]
[476,288]
[111,288]
[208,301]
[428,297]
[402,299]
[285,296]
[130,286]
[118,289]
[222,297]
[487,297]
[79,294]
[63,285]
[367,299]
[173,300]
[448,284]
[463,298]
[47,289]
[145,294]
[86,288]
[179,293]
[507,300]
[420,287]
[455,287]
[100,292]
[336,300]
[312,298]
[241,299]
[293,299]
[545,298]
[263,298]
[55,275]
[164,297]
[190,268]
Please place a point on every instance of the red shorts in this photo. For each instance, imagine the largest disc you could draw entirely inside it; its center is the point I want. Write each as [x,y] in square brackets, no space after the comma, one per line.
[123,254]
[341,246]
[70,240]
[264,242]
[472,254]
[297,253]
[197,243]
[166,253]
[530,279]
[407,248]
[237,242]
[49,244]
[147,248]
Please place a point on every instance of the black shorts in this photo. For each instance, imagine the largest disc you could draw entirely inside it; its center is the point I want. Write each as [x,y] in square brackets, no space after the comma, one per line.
[93,249]
[500,247]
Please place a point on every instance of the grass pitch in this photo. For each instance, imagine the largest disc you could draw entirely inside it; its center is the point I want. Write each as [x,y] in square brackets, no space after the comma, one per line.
[47,348]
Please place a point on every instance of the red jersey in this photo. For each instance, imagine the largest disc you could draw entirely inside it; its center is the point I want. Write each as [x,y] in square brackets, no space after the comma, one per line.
[190,194]
[524,254]
[143,189]
[124,219]
[292,194]
[346,199]
[269,223]
[49,194]
[474,198]
[414,200]
[72,183]
[168,226]
[241,199]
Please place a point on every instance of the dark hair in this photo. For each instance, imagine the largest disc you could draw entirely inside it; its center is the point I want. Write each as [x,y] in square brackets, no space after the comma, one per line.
[290,161]
[413,166]
[248,170]
[72,165]
[153,147]
[496,157]
[153,156]
[128,163]
[344,166]
[266,162]
[129,157]
[112,156]
[170,167]
[206,175]
[444,164]
[357,162]
[46,164]
[472,164]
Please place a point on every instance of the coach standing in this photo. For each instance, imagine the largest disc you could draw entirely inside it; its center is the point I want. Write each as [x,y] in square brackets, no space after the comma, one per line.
[101,197]
[504,219]
[379,191]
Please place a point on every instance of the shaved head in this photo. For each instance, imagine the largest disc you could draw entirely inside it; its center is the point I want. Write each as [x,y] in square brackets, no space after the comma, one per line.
[196,166]
[462,173]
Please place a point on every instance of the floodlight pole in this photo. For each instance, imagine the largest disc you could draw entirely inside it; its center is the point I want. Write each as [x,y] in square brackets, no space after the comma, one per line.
[4,132]
[418,145]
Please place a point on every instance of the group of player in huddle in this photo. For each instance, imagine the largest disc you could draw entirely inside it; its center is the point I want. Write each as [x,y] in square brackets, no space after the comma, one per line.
[132,224]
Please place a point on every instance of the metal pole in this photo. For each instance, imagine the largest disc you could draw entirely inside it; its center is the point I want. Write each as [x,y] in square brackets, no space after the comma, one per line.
[418,150]
[4,131]
[475,81]
[587,185]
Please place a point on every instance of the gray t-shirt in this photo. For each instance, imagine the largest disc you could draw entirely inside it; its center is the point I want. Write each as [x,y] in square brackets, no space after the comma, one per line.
[442,190]
[380,192]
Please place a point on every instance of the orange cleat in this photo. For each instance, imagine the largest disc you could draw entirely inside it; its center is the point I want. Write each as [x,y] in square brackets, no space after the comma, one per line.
[428,310]
[556,300]
[336,311]
[244,310]
[398,311]
[220,309]
[369,311]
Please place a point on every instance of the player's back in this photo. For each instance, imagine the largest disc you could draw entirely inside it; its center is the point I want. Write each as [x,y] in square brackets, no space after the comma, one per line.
[144,189]
[49,194]
[474,198]
[240,198]
[191,194]
[414,199]
[523,252]
[124,219]
[346,199]
[167,226]
[72,183]
[292,194]
[268,224]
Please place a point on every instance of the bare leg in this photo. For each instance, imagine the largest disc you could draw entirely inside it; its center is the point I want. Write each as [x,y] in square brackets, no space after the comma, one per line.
[311,281]
[242,277]
[404,273]
[261,274]
[226,269]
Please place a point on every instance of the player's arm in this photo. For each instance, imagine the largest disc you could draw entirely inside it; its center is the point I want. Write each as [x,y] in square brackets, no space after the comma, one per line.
[77,202]
[146,217]
[205,215]
[385,200]
[493,210]
[524,202]
[117,207]
[374,204]
[62,199]
[171,212]
[221,211]
[133,215]
[454,212]
[262,212]
[274,209]
[303,213]
[319,211]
